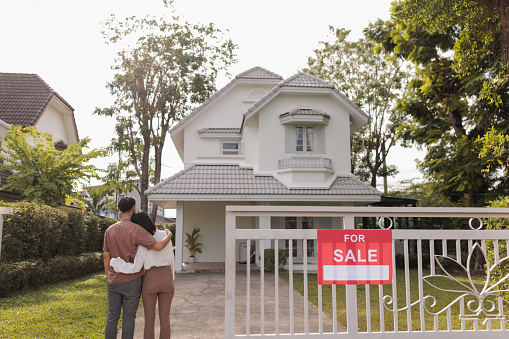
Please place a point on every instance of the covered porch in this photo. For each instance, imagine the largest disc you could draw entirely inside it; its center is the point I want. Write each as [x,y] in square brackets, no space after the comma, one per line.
[201,193]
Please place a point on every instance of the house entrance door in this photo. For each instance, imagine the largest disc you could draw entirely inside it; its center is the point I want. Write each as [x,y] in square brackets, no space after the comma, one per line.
[301,223]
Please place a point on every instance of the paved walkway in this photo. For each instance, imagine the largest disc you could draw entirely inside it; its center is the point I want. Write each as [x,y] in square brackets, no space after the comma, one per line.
[198,306]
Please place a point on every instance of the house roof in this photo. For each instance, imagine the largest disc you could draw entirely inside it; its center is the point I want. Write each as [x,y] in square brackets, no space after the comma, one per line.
[256,72]
[219,130]
[24,97]
[302,79]
[232,180]
[304,111]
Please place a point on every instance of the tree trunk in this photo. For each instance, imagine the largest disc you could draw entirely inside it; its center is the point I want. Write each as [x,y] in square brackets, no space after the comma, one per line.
[504,30]
[145,166]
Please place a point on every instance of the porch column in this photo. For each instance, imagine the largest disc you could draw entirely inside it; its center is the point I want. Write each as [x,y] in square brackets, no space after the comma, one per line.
[263,224]
[179,239]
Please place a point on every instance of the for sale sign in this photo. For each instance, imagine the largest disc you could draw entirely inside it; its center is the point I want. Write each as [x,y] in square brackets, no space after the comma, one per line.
[354,257]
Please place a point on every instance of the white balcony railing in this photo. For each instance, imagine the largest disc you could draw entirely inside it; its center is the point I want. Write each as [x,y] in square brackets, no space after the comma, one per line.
[305,163]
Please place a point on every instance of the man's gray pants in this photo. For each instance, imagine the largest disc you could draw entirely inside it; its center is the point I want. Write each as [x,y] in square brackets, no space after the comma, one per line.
[124,296]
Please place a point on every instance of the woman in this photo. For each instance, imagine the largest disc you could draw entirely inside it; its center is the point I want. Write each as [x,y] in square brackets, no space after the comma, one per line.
[158,280]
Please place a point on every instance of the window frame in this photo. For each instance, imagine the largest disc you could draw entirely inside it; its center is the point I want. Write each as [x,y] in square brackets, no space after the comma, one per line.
[230,151]
[306,141]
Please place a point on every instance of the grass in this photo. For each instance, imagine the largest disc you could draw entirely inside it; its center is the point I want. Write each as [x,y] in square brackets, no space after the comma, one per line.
[71,309]
[442,299]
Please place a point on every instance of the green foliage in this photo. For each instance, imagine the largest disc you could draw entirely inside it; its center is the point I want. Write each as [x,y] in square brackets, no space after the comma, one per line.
[36,231]
[269,260]
[32,231]
[192,243]
[374,82]
[25,274]
[97,199]
[40,172]
[170,69]
[454,56]
[494,147]
[73,234]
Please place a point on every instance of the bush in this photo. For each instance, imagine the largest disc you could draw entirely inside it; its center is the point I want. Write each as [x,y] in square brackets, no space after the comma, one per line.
[73,238]
[37,231]
[31,232]
[33,273]
[269,262]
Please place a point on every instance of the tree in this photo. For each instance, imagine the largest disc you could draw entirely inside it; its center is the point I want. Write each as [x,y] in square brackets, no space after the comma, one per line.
[171,68]
[98,200]
[40,172]
[444,103]
[481,30]
[373,81]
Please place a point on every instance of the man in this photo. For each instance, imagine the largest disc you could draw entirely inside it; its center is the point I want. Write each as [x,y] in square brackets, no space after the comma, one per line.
[121,240]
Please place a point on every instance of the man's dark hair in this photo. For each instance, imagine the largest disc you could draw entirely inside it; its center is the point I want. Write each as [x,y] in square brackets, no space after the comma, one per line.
[126,203]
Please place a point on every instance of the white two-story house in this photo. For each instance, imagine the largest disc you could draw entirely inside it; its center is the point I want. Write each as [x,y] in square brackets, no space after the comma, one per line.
[263,140]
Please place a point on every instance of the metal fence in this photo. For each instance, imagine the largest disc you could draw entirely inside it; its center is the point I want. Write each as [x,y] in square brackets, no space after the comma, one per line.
[440,297]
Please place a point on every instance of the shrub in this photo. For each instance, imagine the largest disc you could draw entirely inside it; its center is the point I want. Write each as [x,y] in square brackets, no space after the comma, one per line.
[73,237]
[31,232]
[37,231]
[269,260]
[33,273]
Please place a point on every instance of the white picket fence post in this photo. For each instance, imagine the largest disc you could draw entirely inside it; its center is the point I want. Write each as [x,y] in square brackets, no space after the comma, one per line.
[3,211]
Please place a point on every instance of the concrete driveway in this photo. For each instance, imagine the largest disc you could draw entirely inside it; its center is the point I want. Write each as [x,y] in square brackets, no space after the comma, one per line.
[198,307]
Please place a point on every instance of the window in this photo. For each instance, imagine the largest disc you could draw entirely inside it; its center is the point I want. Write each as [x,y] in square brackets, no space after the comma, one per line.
[230,147]
[304,138]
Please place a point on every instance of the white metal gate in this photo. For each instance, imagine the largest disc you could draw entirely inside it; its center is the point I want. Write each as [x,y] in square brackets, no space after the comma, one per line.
[400,311]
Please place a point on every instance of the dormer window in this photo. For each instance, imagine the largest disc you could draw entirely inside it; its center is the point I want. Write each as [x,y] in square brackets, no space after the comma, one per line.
[230,147]
[304,139]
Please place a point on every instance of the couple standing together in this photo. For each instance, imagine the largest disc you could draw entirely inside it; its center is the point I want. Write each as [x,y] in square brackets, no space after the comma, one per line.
[138,259]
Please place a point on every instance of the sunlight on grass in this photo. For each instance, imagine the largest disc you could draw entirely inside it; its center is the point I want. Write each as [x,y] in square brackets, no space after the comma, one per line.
[380,314]
[71,309]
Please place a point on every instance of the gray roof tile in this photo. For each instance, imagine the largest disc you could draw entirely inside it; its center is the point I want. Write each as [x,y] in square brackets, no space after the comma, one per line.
[219,130]
[305,111]
[233,180]
[258,72]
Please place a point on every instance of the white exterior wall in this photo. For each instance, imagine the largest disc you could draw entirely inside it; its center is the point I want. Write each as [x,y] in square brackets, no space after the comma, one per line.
[272,132]
[52,122]
[210,218]
[225,112]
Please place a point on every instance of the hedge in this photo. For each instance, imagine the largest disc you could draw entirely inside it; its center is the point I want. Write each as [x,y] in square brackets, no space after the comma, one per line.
[32,273]
[37,231]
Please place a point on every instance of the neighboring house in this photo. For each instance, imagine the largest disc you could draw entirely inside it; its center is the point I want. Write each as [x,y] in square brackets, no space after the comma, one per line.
[262,140]
[27,100]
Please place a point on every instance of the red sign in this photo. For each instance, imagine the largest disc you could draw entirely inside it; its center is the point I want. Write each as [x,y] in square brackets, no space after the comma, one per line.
[354,257]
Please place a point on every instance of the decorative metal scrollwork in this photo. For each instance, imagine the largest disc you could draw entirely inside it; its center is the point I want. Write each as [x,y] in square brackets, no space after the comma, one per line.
[479,303]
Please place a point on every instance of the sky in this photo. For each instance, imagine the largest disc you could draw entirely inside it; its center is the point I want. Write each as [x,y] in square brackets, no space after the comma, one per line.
[61,41]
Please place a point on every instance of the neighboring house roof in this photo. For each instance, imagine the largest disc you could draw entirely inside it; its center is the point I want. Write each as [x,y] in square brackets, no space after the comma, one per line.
[257,72]
[230,180]
[302,79]
[24,97]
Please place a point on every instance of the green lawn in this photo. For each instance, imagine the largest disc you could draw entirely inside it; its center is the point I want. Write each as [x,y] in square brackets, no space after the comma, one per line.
[442,298]
[71,309]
